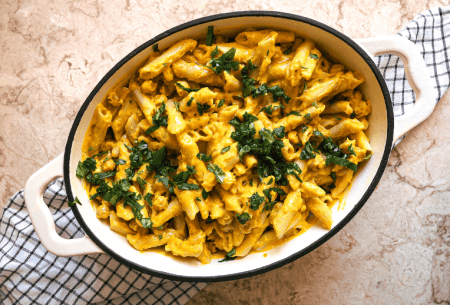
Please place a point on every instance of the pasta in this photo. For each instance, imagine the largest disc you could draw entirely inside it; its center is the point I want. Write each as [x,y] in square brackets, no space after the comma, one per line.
[222,146]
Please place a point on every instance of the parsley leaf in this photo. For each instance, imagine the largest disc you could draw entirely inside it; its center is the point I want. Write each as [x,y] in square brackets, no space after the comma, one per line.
[85,167]
[279,132]
[353,115]
[100,154]
[182,177]
[155,47]
[141,182]
[201,108]
[189,90]
[255,201]
[120,162]
[333,176]
[204,157]
[367,157]
[205,194]
[72,203]
[158,119]
[351,150]
[288,51]
[190,101]
[224,63]
[221,103]
[225,149]
[217,171]
[210,36]
[229,256]
[307,152]
[187,186]
[308,116]
[243,218]
[337,118]
[341,162]
[294,113]
[314,56]
[148,198]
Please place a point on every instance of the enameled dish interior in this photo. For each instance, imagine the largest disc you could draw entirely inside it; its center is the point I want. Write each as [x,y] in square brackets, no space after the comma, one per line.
[378,132]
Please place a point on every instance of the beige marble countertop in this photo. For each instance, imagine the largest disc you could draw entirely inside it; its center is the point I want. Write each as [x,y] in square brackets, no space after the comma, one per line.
[396,249]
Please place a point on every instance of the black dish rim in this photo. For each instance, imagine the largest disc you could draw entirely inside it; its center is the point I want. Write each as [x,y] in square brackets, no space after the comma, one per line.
[266,268]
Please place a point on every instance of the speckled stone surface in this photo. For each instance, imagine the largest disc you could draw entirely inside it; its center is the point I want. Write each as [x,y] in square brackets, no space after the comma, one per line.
[397,248]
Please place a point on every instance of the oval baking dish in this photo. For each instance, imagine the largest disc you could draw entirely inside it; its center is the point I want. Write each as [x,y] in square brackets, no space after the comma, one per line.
[355,55]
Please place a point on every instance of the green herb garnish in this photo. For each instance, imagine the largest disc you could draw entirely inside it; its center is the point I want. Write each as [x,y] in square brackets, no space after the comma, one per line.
[189,90]
[210,36]
[72,203]
[225,149]
[243,218]
[158,119]
[229,256]
[217,171]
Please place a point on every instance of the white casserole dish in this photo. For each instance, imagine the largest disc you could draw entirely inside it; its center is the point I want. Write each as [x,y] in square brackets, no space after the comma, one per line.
[355,55]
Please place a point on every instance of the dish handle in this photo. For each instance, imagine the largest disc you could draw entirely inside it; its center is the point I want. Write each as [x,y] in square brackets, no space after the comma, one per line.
[42,218]
[416,73]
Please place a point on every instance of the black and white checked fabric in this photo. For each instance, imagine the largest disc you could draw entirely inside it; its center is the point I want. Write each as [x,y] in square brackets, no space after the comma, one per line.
[31,275]
[430,31]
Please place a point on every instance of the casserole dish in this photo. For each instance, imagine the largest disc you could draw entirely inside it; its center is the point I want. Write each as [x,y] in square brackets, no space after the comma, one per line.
[355,55]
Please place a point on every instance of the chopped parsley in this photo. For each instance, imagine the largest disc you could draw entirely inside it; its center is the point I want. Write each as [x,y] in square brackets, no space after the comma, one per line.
[210,36]
[100,153]
[367,157]
[288,51]
[223,63]
[158,119]
[72,203]
[229,256]
[225,149]
[255,201]
[337,118]
[304,128]
[190,101]
[333,153]
[120,162]
[314,56]
[351,150]
[180,179]
[333,176]
[177,105]
[307,152]
[148,198]
[141,182]
[221,103]
[303,67]
[294,113]
[308,116]
[201,108]
[85,167]
[243,218]
[160,237]
[204,157]
[250,89]
[217,171]
[155,47]
[189,90]
[267,148]
[315,104]
[353,115]
[270,108]
[279,132]
[205,194]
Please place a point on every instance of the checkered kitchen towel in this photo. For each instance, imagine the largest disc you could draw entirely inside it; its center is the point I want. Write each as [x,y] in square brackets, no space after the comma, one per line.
[31,275]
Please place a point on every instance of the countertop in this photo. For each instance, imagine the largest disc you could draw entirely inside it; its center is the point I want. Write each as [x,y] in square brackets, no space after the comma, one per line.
[395,250]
